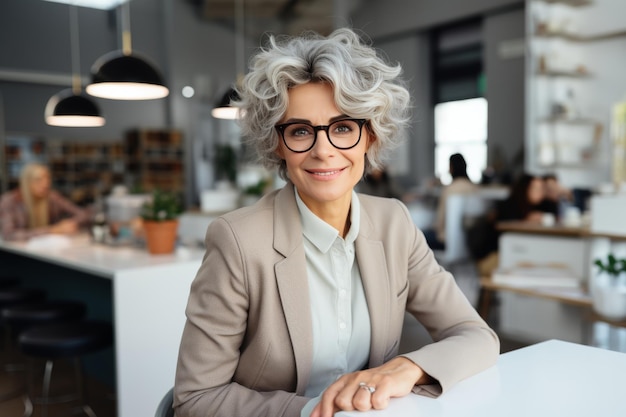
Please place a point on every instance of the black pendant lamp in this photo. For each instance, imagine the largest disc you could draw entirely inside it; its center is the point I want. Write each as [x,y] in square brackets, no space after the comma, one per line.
[125,75]
[71,107]
[224,109]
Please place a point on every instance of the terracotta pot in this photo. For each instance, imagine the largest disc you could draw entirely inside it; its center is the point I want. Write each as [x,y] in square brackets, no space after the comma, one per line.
[161,236]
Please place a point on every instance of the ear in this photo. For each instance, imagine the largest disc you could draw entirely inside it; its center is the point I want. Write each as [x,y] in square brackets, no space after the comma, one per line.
[280,151]
[371,138]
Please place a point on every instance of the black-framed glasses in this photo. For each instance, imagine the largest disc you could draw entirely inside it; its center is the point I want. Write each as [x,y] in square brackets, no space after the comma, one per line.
[301,136]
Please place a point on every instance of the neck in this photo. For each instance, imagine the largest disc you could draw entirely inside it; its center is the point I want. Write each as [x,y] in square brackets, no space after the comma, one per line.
[336,213]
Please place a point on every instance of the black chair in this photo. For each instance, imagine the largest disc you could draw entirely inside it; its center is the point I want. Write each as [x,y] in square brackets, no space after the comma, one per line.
[64,340]
[164,409]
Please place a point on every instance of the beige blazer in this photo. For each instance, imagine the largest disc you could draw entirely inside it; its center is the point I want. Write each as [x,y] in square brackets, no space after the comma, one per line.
[246,349]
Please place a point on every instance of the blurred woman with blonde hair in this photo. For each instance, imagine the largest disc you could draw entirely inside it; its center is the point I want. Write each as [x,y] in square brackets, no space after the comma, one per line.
[34,208]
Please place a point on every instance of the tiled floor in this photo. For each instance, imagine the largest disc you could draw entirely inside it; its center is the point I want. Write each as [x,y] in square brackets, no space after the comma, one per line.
[100,397]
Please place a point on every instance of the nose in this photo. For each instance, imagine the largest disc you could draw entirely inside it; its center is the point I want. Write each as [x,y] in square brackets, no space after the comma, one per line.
[322,143]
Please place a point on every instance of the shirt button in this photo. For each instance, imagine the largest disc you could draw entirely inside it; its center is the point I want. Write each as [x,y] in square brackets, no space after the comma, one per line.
[342,326]
[342,292]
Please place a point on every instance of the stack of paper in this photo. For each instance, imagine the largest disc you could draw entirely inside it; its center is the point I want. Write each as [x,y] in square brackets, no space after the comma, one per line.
[537,275]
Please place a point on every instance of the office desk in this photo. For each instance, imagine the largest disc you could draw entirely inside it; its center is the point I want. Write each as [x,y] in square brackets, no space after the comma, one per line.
[146,297]
[523,316]
[535,314]
[549,379]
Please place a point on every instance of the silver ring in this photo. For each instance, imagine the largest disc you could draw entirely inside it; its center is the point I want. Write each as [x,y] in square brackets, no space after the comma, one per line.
[366,387]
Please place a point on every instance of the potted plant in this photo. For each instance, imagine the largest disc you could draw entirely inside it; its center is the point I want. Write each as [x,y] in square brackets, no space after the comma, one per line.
[608,289]
[252,193]
[160,221]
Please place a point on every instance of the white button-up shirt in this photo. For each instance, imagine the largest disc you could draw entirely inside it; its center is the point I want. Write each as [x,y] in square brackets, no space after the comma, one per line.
[341,322]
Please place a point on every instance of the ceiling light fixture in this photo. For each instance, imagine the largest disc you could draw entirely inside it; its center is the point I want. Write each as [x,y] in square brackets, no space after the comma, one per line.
[224,108]
[71,107]
[93,4]
[124,75]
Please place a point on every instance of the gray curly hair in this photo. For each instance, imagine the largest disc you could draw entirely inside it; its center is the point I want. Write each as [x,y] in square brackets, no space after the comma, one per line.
[364,85]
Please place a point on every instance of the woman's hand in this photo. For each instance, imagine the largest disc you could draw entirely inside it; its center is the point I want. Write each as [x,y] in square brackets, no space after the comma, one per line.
[64,227]
[371,388]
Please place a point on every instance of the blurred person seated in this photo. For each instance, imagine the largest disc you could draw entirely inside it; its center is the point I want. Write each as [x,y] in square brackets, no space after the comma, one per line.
[557,198]
[35,209]
[461,184]
[526,203]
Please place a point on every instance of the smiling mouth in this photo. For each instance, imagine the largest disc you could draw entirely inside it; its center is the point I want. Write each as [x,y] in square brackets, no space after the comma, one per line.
[326,173]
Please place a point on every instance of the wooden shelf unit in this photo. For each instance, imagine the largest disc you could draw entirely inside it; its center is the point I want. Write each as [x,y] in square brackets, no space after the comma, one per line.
[155,159]
[85,171]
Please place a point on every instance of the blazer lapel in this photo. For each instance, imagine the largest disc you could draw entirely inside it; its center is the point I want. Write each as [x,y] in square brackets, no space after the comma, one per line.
[292,282]
[373,269]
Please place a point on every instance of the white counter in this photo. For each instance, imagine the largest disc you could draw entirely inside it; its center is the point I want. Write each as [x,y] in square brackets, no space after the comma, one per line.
[549,379]
[149,296]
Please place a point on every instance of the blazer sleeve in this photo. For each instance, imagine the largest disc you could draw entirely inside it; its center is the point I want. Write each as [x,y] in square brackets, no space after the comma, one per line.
[213,335]
[463,343]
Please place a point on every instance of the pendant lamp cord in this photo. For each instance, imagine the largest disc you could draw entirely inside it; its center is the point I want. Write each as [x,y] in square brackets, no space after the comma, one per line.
[75,50]
[125,18]
[239,40]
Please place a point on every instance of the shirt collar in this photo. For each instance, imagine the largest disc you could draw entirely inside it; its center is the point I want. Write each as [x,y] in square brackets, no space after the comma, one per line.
[320,233]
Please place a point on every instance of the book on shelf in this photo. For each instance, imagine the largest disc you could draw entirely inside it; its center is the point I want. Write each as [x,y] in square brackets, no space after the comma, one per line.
[537,276]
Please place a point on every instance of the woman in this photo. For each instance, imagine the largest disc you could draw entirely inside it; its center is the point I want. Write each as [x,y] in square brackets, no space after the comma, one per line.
[35,209]
[300,299]
[525,203]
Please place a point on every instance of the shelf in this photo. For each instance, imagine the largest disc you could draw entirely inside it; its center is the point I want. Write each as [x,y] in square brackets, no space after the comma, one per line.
[570,165]
[155,159]
[573,121]
[572,37]
[573,3]
[561,73]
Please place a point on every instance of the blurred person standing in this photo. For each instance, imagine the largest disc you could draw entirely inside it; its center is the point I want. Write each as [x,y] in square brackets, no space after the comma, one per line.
[461,184]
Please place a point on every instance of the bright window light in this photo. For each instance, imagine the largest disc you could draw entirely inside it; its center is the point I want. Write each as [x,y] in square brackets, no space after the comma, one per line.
[94,4]
[461,127]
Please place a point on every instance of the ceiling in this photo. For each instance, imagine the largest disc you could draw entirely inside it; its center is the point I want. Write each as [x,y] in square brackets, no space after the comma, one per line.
[270,16]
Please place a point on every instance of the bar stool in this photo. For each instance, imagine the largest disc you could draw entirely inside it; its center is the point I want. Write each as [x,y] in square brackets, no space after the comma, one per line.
[13,297]
[8,282]
[64,340]
[24,315]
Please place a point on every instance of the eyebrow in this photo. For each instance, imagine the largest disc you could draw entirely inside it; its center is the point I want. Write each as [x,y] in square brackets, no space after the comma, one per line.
[332,119]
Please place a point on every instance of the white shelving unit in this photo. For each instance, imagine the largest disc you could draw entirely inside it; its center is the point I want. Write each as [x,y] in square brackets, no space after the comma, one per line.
[576,55]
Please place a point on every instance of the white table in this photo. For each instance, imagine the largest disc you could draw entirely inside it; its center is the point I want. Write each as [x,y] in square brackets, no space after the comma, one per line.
[549,379]
[149,296]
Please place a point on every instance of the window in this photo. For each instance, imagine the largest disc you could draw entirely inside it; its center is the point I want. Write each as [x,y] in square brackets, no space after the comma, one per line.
[458,97]
[461,126]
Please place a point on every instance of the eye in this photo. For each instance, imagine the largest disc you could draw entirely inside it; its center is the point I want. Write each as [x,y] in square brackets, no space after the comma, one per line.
[299,131]
[344,127]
